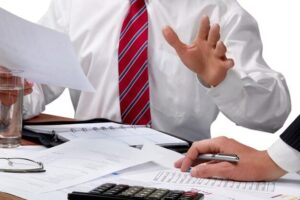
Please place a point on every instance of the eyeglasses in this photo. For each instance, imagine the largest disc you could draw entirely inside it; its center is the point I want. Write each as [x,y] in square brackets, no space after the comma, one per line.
[20,165]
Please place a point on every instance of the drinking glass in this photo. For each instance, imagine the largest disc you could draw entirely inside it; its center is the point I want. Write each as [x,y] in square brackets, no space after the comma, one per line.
[11,106]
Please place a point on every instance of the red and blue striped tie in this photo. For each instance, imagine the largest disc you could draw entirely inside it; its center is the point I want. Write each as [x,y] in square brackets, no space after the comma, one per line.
[133,66]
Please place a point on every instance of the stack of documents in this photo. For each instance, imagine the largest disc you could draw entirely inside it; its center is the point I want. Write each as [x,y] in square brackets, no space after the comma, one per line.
[81,165]
[70,164]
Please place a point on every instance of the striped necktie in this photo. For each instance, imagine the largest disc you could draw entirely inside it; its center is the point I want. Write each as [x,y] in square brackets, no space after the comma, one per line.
[133,66]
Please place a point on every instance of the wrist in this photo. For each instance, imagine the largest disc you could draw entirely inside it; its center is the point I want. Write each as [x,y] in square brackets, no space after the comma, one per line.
[203,82]
[213,79]
[270,168]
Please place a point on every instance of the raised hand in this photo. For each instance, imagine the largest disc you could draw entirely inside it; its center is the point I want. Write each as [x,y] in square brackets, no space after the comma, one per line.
[206,56]
[254,165]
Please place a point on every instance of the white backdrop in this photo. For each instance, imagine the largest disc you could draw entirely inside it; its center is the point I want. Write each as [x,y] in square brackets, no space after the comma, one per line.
[280,32]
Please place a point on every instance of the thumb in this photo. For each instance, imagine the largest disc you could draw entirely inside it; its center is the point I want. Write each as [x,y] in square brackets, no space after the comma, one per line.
[173,39]
[229,63]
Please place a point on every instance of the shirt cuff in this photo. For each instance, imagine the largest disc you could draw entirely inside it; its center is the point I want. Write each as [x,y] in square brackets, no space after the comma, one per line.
[228,90]
[285,156]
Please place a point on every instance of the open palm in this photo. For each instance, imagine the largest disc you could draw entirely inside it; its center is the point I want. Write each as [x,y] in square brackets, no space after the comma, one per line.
[206,56]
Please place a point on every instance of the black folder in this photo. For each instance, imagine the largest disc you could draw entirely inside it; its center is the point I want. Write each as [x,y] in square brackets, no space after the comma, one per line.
[50,140]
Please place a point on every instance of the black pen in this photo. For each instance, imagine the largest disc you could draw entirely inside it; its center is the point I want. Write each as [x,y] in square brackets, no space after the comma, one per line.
[219,157]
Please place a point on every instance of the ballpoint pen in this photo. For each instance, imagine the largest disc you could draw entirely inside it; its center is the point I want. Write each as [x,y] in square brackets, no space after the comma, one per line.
[219,157]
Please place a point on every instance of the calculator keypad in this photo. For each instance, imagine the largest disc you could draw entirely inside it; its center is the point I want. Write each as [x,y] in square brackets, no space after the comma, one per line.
[144,193]
[103,188]
[116,190]
[158,194]
[131,191]
[111,191]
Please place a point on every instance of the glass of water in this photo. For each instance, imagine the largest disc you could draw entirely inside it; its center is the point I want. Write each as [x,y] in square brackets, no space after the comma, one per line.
[11,106]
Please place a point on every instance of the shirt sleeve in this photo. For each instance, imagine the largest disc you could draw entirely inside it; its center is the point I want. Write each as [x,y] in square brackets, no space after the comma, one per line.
[285,152]
[33,104]
[252,95]
[285,156]
[55,18]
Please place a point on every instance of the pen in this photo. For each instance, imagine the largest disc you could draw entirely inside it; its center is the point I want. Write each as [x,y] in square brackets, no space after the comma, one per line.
[220,157]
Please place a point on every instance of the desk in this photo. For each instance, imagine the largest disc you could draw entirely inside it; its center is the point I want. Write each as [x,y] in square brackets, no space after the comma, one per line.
[40,118]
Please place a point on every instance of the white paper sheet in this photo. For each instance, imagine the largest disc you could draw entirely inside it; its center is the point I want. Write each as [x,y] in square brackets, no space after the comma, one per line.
[21,151]
[120,178]
[45,56]
[160,155]
[70,164]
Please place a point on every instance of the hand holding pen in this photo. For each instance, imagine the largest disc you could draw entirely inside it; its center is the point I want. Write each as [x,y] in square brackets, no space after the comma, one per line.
[226,158]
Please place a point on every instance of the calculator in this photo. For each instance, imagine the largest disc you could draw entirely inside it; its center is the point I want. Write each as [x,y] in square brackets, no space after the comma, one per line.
[111,191]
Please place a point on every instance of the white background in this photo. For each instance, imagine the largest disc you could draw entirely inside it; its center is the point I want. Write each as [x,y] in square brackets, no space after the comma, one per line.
[280,31]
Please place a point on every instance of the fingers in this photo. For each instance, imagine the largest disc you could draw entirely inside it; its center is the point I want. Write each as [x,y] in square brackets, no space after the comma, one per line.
[214,35]
[204,28]
[178,163]
[229,63]
[220,50]
[173,39]
[27,90]
[200,147]
[28,87]
[220,170]
[204,146]
[28,84]
[211,34]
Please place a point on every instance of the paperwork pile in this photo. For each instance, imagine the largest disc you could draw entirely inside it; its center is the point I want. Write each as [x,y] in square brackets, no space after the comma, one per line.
[81,165]
[70,164]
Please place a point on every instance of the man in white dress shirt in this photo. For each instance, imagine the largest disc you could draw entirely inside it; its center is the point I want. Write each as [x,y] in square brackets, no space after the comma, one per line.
[184,101]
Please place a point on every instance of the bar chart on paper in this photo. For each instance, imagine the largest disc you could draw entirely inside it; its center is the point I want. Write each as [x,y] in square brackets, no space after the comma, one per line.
[174,177]
[285,188]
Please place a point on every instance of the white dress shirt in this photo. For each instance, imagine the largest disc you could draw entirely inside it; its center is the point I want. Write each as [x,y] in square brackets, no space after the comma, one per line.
[285,156]
[252,95]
